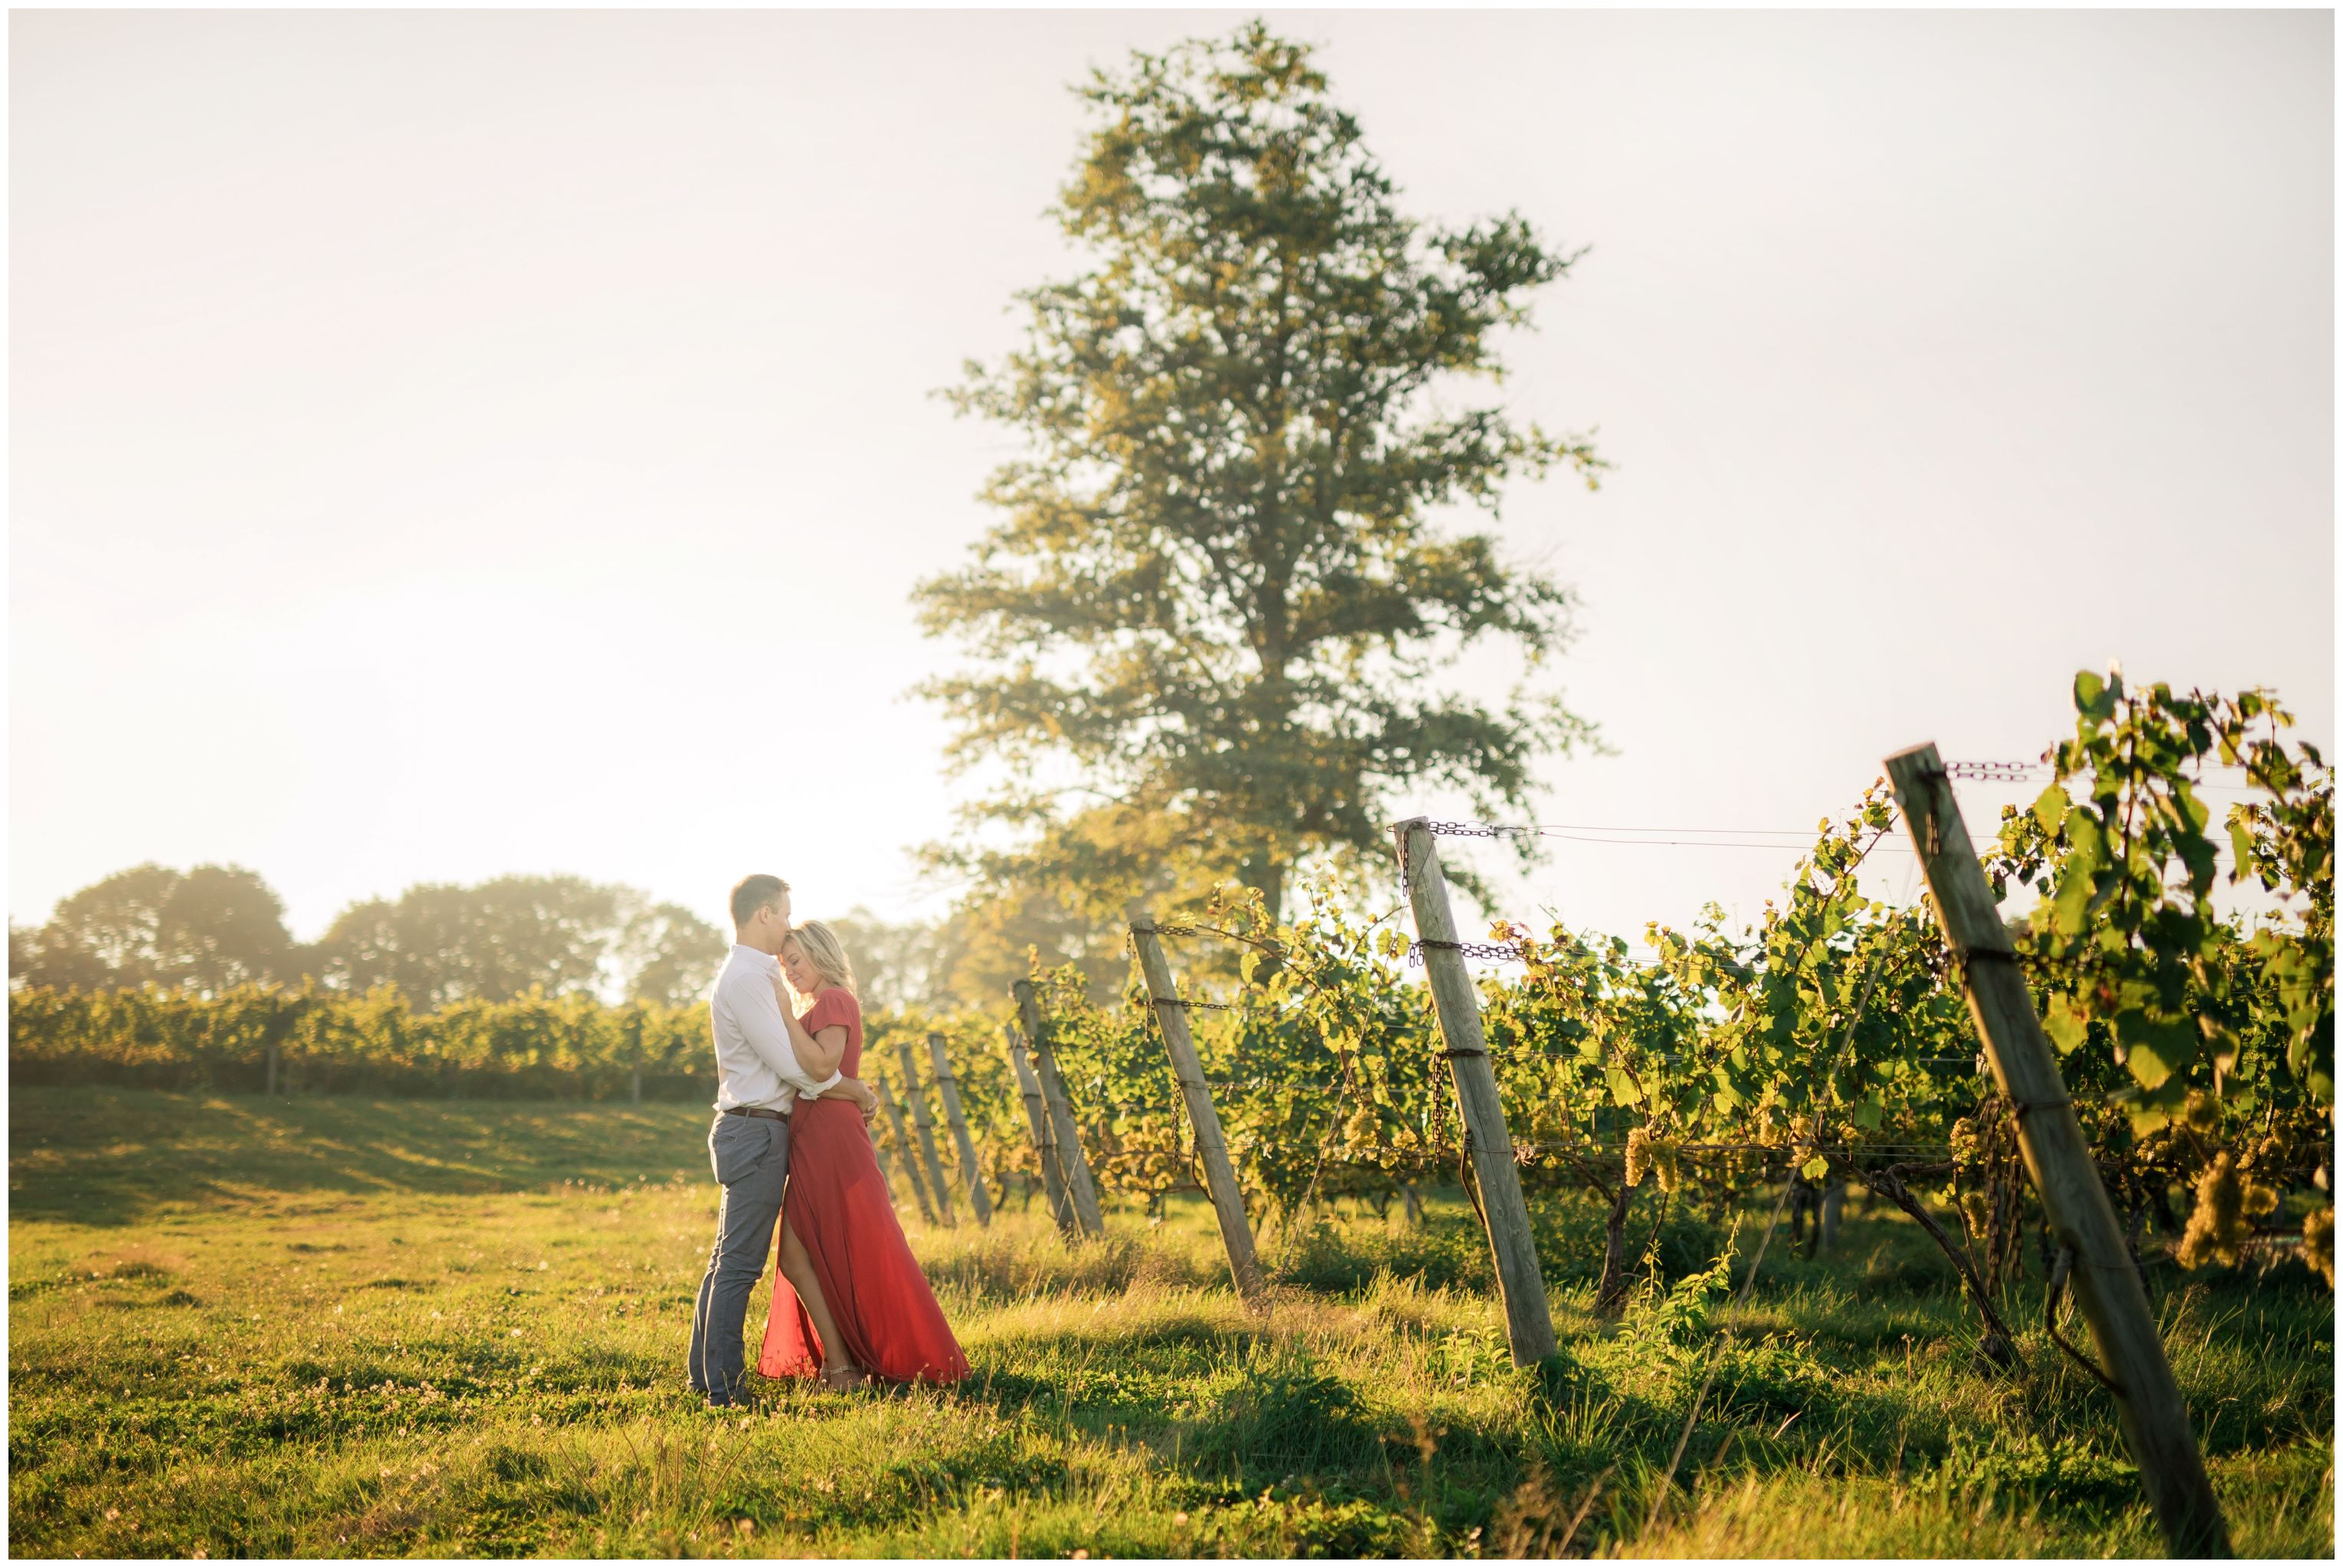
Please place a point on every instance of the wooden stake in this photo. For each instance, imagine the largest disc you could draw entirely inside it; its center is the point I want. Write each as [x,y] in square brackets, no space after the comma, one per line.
[924,1126]
[903,1142]
[1062,1113]
[1212,1144]
[1045,1143]
[948,1089]
[2123,1328]
[1826,1227]
[1529,1323]
[634,1086]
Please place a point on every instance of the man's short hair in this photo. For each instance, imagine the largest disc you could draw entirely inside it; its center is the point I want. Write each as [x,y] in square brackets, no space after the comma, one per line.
[753,894]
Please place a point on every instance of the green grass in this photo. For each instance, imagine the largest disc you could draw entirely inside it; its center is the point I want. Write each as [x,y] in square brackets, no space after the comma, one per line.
[327,1328]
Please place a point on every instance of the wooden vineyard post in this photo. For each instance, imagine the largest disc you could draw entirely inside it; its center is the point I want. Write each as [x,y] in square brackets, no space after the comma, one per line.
[1045,1145]
[924,1127]
[1529,1324]
[634,1086]
[1068,1138]
[1211,1145]
[2115,1306]
[903,1142]
[948,1090]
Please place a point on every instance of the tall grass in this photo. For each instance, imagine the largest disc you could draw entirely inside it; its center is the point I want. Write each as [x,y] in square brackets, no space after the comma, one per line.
[227,1339]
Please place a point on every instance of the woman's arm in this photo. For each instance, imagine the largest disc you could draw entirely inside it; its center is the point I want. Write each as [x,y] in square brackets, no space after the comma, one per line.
[822,1054]
[818,1054]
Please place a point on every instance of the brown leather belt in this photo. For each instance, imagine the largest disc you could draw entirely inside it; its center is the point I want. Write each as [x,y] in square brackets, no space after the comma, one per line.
[754,1111]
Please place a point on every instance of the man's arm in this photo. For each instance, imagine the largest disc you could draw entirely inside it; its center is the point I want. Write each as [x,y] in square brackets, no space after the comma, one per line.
[771,1033]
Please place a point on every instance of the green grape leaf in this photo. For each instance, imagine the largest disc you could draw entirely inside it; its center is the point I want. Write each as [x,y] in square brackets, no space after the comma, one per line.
[2241,843]
[2155,1109]
[2050,808]
[1816,1169]
[2093,699]
[1866,1115]
[2066,1025]
[2155,1048]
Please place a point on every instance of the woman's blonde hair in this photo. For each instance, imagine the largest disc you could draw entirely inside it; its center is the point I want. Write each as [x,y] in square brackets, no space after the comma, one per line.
[822,950]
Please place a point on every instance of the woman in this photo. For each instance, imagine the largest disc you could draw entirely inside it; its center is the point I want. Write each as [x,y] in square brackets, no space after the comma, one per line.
[850,1300]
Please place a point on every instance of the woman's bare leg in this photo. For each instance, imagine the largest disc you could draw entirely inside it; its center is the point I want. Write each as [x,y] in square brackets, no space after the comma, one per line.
[797,1268]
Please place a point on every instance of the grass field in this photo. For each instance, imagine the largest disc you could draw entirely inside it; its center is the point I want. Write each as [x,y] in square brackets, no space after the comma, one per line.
[339,1327]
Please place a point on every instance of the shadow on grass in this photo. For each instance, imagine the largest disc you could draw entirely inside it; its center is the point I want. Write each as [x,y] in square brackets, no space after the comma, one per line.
[117,1156]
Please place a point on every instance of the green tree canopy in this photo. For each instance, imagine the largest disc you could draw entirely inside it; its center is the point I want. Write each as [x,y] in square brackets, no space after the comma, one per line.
[1216,606]
[438,942]
[207,929]
[217,927]
[664,952]
[222,926]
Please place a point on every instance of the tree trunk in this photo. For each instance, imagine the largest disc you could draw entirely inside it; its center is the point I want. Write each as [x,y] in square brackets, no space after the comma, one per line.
[1265,874]
[1610,1293]
[1834,1199]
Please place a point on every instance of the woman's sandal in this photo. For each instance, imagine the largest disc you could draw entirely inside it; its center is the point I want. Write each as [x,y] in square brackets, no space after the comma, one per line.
[840,1380]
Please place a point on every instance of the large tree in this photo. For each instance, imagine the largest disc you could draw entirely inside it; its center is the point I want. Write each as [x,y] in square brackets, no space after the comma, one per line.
[438,942]
[208,928]
[1216,603]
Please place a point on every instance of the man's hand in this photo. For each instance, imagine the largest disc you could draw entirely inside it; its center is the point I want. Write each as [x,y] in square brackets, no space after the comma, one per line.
[859,1092]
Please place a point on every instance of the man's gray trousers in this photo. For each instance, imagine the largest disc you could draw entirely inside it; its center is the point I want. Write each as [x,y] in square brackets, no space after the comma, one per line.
[751,1155]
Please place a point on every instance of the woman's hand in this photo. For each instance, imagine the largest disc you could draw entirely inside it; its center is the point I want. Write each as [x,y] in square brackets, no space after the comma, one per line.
[810,1053]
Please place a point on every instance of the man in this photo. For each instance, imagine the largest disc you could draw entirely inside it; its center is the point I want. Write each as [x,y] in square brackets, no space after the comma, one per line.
[758,1080]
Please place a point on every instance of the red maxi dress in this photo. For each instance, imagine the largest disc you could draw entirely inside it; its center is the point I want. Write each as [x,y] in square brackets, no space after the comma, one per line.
[844,1217]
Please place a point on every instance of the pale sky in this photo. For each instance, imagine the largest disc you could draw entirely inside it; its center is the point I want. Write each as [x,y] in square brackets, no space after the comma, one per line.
[448,444]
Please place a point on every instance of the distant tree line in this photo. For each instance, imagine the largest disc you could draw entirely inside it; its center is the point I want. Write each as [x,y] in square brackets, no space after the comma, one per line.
[214,928]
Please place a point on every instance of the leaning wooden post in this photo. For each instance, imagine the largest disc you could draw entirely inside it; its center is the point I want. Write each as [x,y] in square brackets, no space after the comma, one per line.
[1045,1143]
[923,1126]
[903,1142]
[1068,1137]
[1212,1144]
[2123,1328]
[1529,1324]
[948,1089]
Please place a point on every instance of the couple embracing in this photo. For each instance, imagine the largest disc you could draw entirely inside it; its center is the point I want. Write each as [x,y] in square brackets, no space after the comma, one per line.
[792,1144]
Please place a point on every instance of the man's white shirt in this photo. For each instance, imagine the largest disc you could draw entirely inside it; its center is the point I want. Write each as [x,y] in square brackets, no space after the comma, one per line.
[755,1063]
